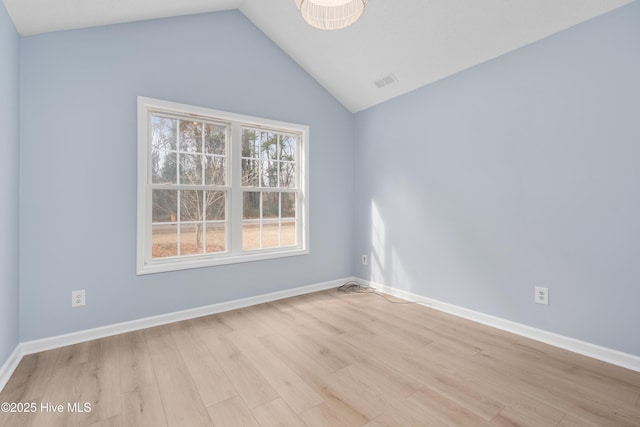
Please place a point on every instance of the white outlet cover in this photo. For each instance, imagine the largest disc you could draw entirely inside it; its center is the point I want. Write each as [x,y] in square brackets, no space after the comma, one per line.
[78,298]
[542,295]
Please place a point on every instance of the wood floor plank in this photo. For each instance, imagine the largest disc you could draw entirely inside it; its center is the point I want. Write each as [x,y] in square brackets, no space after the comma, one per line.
[306,367]
[249,383]
[135,361]
[248,319]
[16,419]
[62,389]
[415,316]
[378,323]
[404,413]
[502,387]
[316,346]
[555,354]
[469,395]
[104,366]
[527,416]
[467,390]
[73,354]
[142,407]
[614,372]
[331,316]
[357,395]
[209,378]
[388,343]
[333,412]
[570,420]
[232,412]
[446,410]
[412,364]
[452,344]
[573,374]
[386,380]
[212,323]
[160,339]
[276,414]
[31,377]
[567,396]
[115,421]
[292,389]
[110,374]
[180,398]
[274,318]
[294,310]
[480,340]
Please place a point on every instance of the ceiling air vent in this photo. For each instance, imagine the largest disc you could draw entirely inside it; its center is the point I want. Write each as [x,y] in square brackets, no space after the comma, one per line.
[385,81]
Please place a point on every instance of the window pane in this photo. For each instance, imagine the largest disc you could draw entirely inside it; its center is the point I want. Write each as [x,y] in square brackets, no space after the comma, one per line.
[163,166]
[190,136]
[270,205]
[191,239]
[269,156]
[191,169]
[270,235]
[214,139]
[250,205]
[191,205]
[269,173]
[216,239]
[250,171]
[164,205]
[288,233]
[251,234]
[250,143]
[269,145]
[215,205]
[164,240]
[163,133]
[214,170]
[288,148]
[287,175]
[288,205]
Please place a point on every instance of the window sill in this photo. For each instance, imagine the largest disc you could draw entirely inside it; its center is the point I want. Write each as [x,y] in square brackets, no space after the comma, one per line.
[166,265]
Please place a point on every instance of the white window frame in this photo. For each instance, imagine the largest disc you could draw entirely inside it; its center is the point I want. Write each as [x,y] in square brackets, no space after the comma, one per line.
[234,253]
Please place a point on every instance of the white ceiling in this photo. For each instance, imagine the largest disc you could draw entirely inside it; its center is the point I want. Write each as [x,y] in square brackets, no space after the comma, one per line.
[419,41]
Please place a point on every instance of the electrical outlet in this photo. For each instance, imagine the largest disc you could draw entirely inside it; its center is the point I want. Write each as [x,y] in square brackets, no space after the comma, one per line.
[542,295]
[365,260]
[78,298]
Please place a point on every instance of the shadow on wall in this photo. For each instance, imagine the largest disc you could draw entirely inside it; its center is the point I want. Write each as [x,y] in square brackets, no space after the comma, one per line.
[429,244]
[386,265]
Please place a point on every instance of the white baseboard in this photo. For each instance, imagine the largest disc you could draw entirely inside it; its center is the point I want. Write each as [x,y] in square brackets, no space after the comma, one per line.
[44,344]
[604,354]
[6,370]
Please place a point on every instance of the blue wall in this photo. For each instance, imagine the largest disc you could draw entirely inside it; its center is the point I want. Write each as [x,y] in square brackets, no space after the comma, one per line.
[9,186]
[523,171]
[78,130]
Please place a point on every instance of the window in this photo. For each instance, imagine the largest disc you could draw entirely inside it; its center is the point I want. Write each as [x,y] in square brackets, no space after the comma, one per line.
[218,188]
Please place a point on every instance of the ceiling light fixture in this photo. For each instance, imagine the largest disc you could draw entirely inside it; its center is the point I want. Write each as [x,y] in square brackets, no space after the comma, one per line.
[331,14]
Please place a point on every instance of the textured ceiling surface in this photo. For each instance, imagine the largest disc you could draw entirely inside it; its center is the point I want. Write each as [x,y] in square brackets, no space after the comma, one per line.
[406,43]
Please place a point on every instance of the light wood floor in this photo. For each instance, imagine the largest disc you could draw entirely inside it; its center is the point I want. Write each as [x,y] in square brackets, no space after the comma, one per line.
[324,359]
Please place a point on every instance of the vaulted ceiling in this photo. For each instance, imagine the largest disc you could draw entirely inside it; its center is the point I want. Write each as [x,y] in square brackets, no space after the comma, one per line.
[409,43]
